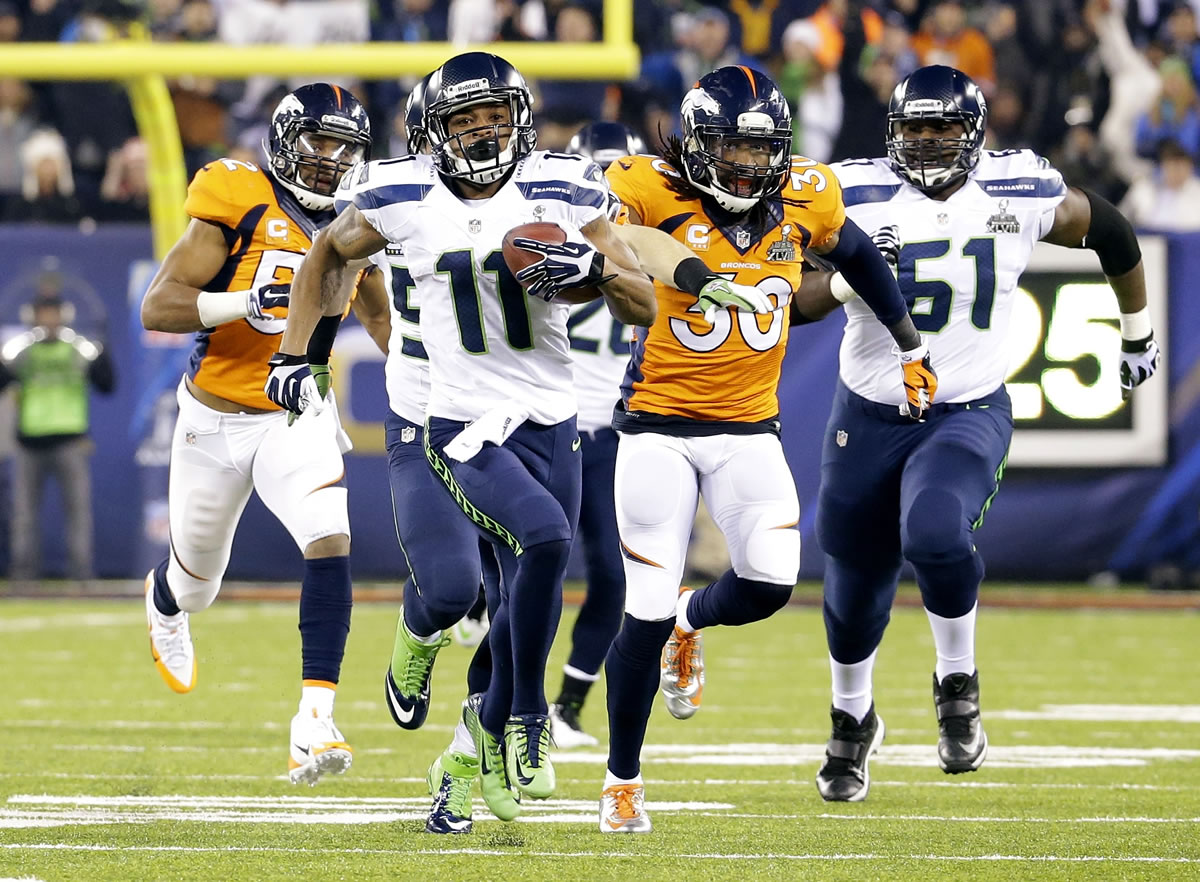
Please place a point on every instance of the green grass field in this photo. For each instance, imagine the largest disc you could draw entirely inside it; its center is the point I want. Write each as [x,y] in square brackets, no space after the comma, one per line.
[1093,773]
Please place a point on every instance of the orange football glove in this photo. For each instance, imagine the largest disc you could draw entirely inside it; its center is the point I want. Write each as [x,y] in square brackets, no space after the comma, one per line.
[920,380]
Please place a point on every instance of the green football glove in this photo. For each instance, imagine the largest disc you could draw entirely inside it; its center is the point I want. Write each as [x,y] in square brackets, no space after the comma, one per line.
[721,293]
[323,379]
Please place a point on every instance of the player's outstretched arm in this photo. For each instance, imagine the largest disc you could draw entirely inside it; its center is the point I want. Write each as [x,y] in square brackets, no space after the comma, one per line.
[627,290]
[666,258]
[821,291]
[176,301]
[371,307]
[1086,220]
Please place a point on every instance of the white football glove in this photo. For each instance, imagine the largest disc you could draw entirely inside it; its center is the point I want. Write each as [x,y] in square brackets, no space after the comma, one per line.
[291,385]
[721,293]
[1139,361]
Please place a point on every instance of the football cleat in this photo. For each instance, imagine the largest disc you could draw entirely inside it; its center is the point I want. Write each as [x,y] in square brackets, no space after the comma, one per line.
[450,780]
[407,679]
[962,743]
[170,644]
[318,749]
[623,809]
[845,775]
[501,799]
[527,755]
[567,732]
[470,632]
[681,673]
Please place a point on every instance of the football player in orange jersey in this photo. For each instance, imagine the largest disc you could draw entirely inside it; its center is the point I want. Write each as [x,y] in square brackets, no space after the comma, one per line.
[227,279]
[699,412]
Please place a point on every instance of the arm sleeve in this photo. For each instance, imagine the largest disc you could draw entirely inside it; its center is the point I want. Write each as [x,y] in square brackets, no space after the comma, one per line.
[868,274]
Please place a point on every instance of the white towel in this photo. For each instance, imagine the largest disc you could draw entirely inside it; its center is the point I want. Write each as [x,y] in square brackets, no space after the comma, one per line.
[496,426]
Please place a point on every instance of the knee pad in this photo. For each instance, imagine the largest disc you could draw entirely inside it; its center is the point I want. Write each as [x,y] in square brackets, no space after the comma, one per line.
[320,514]
[934,529]
[192,594]
[772,554]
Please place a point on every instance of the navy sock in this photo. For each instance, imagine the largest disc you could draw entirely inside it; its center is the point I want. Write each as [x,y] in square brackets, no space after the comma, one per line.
[325,602]
[534,608]
[732,600]
[479,671]
[598,623]
[164,600]
[632,673]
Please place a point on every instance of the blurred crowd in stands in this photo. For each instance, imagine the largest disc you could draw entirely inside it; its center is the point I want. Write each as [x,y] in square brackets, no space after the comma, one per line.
[1105,89]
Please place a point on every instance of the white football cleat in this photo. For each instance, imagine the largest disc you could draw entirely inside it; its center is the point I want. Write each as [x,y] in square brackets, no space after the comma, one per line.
[470,632]
[317,748]
[170,644]
[622,809]
[566,729]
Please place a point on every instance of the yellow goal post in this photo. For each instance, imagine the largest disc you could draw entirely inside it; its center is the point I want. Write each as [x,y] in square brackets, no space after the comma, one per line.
[144,66]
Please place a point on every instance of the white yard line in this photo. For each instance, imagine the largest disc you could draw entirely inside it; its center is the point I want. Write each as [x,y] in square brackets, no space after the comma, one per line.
[607,855]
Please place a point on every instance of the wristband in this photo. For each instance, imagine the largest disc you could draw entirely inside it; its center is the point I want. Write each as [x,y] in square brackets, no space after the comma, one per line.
[840,289]
[691,275]
[1136,325]
[219,307]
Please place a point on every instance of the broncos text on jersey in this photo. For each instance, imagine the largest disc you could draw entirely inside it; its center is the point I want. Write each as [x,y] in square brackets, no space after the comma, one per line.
[683,369]
[267,233]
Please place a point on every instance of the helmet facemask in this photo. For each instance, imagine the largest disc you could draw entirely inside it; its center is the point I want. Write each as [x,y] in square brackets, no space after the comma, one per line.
[933,164]
[481,161]
[738,165]
[312,158]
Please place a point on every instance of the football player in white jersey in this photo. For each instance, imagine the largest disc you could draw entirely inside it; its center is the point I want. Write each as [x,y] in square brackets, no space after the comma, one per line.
[500,421]
[600,352]
[960,224]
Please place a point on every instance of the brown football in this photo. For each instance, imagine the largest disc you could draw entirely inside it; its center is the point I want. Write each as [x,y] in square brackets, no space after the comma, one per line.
[518,258]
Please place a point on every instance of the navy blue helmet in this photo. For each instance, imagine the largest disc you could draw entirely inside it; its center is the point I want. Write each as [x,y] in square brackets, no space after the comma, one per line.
[465,81]
[414,118]
[298,146]
[737,137]
[942,96]
[605,142]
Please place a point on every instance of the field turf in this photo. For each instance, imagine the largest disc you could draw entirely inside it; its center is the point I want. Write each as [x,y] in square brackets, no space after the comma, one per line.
[1093,773]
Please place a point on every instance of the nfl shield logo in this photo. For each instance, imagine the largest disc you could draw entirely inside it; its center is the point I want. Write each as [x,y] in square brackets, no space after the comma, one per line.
[743,239]
[538,211]
[842,438]
[474,225]
[943,219]
[407,434]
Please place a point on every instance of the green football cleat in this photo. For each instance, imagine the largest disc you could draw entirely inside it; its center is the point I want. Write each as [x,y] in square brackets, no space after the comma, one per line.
[407,680]
[527,751]
[450,780]
[502,801]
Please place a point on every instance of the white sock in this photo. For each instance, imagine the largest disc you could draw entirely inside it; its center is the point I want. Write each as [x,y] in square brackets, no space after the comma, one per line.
[611,780]
[319,698]
[463,742]
[576,674]
[954,641]
[852,686]
[432,638]
[681,605]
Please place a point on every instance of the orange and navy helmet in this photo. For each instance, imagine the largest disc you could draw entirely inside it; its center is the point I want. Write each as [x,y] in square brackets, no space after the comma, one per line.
[733,114]
[318,110]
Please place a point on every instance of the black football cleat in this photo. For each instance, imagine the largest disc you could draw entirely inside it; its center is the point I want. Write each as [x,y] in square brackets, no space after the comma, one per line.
[845,776]
[962,743]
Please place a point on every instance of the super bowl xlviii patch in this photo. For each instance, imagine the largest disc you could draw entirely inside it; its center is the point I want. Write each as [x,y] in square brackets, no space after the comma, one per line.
[407,434]
[785,248]
[1002,221]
